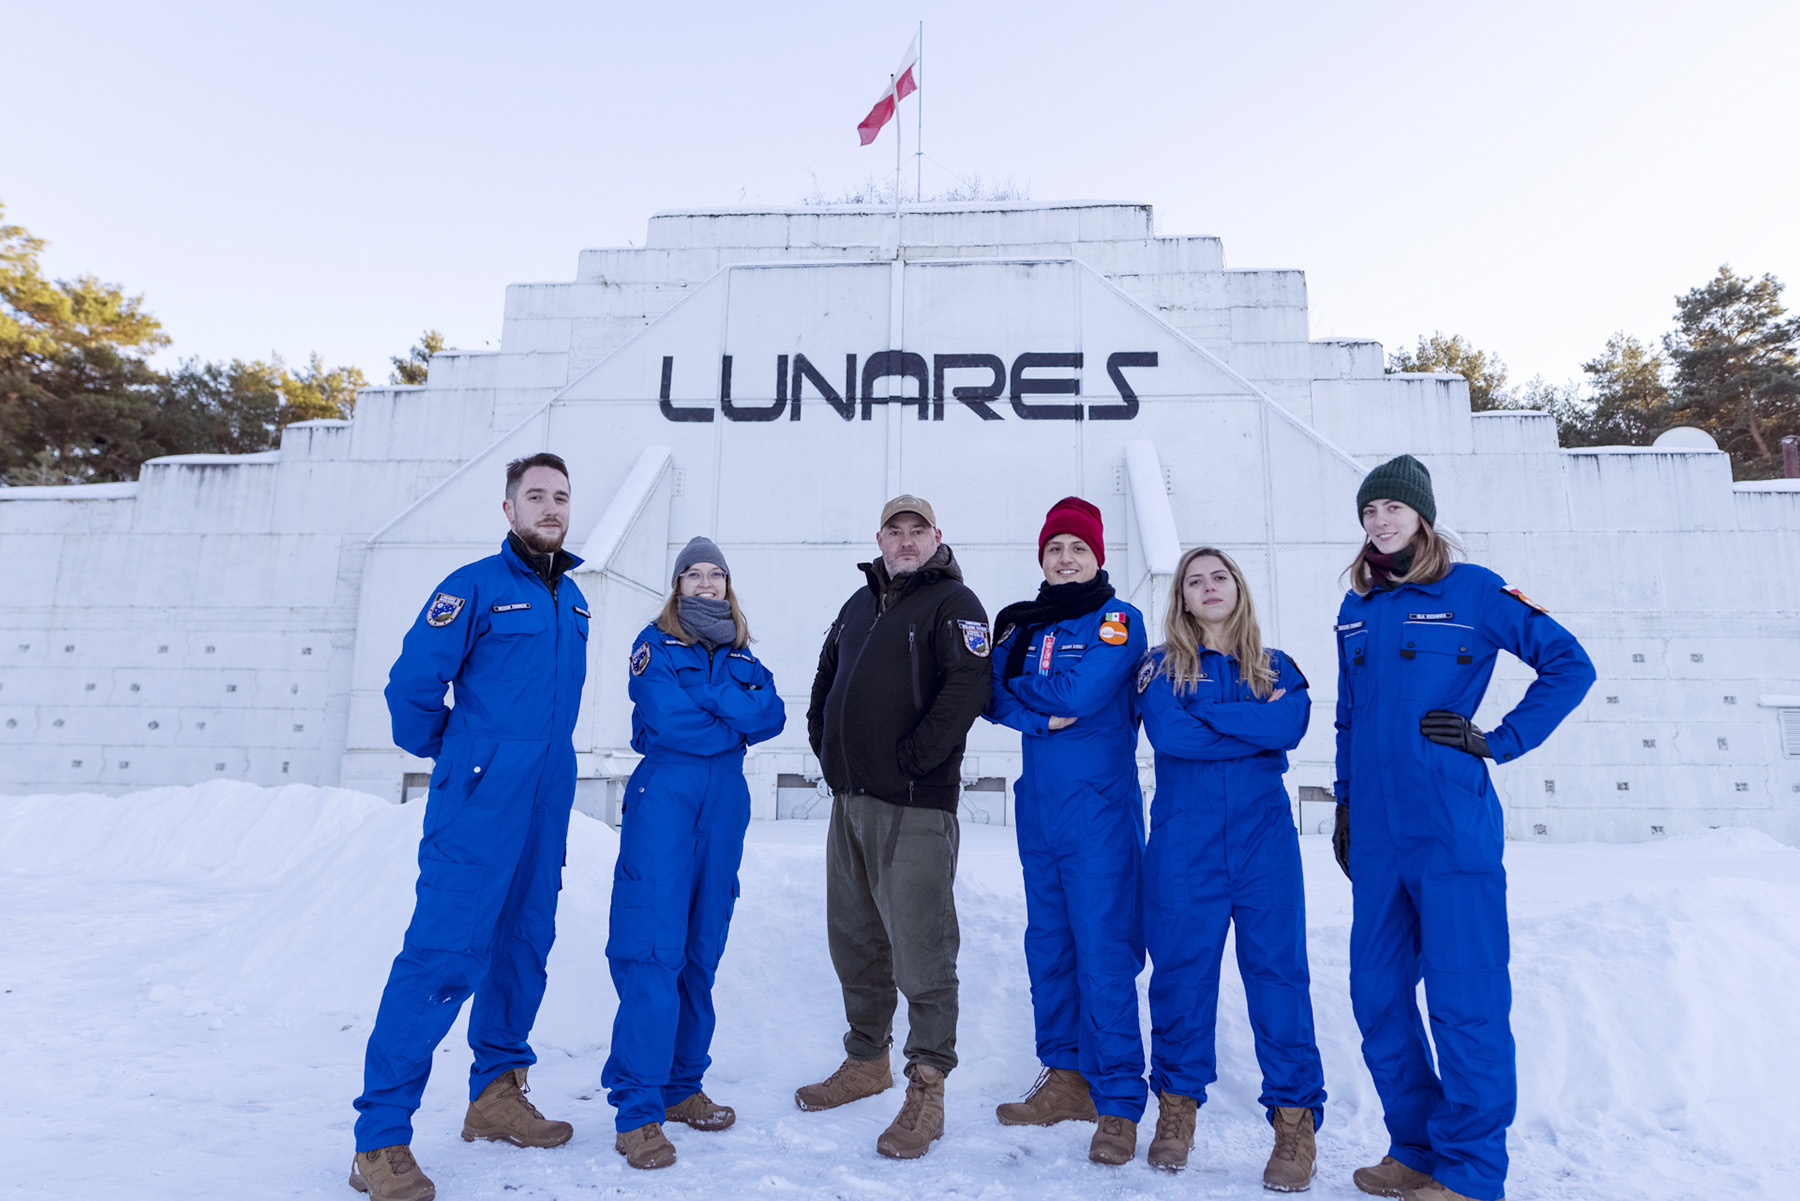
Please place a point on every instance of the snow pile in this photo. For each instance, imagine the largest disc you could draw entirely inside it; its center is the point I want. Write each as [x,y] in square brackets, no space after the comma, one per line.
[191,974]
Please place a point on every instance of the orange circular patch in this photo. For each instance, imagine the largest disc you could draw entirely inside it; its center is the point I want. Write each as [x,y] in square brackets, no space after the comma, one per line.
[1112,633]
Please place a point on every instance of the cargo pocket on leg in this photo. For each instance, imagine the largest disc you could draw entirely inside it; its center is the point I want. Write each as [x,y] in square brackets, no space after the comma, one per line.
[448,916]
[631,923]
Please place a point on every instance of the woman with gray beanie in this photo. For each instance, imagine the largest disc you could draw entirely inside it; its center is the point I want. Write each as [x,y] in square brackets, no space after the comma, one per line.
[699,698]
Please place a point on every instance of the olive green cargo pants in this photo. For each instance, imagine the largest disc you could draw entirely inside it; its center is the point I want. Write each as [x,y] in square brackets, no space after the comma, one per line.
[890,917]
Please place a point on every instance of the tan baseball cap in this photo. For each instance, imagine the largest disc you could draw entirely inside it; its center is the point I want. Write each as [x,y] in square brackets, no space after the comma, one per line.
[905,503]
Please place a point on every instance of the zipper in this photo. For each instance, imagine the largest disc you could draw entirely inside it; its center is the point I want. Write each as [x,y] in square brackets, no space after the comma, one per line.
[912,654]
[844,699]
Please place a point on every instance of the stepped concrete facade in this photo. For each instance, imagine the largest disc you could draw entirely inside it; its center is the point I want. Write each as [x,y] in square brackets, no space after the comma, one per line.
[768,378]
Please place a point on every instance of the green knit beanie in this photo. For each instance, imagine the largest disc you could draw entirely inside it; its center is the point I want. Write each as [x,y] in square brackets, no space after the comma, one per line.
[1404,479]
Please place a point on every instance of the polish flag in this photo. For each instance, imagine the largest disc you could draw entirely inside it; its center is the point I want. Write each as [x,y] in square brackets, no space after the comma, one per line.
[906,82]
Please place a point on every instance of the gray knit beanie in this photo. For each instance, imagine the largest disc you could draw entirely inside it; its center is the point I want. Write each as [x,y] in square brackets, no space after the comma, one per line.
[700,550]
[1404,479]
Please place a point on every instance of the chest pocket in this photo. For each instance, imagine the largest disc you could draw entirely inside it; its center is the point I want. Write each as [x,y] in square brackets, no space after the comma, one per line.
[1356,649]
[1437,638]
[512,648]
[745,672]
[1436,655]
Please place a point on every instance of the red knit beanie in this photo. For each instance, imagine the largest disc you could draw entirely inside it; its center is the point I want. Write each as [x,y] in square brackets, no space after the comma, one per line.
[1072,515]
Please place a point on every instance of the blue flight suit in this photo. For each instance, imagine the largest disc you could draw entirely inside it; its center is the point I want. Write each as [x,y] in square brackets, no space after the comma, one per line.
[496,825]
[1426,832]
[680,843]
[1223,852]
[1079,816]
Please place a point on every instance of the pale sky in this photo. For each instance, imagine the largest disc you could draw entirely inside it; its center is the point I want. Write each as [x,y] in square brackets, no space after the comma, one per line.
[339,176]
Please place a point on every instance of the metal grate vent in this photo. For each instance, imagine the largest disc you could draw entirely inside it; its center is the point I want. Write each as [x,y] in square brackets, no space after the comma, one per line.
[1790,732]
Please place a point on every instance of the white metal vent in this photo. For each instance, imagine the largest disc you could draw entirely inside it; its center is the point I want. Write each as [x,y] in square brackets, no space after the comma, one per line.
[1790,732]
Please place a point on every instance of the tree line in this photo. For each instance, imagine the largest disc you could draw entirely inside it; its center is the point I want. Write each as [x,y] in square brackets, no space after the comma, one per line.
[80,402]
[1730,366]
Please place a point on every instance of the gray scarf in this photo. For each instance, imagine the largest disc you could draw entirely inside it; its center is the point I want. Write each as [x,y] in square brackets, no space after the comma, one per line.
[708,619]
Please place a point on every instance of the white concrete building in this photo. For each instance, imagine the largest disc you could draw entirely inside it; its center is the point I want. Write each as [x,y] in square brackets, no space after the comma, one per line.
[768,378]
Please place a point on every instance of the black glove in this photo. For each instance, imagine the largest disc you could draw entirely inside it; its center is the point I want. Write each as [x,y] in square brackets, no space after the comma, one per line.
[1340,838]
[1453,729]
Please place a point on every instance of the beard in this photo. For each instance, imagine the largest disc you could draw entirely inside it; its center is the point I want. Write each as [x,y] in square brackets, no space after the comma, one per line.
[545,540]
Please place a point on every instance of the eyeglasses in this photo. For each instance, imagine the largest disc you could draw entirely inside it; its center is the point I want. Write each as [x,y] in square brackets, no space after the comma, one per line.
[695,576]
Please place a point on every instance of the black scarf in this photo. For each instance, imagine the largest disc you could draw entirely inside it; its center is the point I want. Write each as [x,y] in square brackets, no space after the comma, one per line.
[1385,569]
[1054,603]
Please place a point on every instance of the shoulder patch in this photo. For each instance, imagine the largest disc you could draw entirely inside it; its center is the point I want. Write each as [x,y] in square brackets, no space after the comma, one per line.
[1146,673]
[443,609]
[975,637]
[1523,599]
[1277,658]
[640,658]
[1115,630]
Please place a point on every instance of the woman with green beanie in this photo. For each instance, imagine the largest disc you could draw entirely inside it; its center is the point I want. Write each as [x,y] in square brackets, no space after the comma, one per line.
[1418,634]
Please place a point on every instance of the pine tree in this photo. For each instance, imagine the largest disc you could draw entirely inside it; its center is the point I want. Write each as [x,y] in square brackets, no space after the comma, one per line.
[1485,372]
[1736,370]
[416,364]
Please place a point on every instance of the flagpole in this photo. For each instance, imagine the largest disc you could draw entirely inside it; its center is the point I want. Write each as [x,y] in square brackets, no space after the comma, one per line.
[919,141]
[893,88]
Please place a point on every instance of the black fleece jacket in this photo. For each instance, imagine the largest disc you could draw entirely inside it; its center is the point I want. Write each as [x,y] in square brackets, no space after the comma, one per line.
[903,675]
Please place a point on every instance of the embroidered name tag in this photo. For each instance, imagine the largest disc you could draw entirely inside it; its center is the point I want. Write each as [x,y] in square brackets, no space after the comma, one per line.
[1429,616]
[1349,625]
[512,608]
[580,612]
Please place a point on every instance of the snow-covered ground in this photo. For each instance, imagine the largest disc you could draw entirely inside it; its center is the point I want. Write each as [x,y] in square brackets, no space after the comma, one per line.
[190,975]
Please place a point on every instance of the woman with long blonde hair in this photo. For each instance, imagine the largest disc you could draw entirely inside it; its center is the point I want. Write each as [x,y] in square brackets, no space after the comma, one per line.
[699,697]
[1222,712]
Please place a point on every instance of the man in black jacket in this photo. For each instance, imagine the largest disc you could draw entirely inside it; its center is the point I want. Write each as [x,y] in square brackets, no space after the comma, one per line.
[903,675]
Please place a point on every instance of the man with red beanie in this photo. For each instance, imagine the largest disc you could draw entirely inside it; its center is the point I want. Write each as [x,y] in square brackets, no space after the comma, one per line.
[1063,666]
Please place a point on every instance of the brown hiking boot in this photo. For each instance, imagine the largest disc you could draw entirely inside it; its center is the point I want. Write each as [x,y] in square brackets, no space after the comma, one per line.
[1389,1178]
[1174,1131]
[1115,1141]
[645,1147]
[854,1080]
[1060,1095]
[1435,1192]
[702,1113]
[501,1114]
[921,1116]
[390,1174]
[1290,1167]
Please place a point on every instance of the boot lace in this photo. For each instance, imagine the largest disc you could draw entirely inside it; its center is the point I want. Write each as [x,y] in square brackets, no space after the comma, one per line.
[1038,1084]
[1287,1139]
[516,1095]
[1112,1124]
[1169,1122]
[400,1160]
[913,1107]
